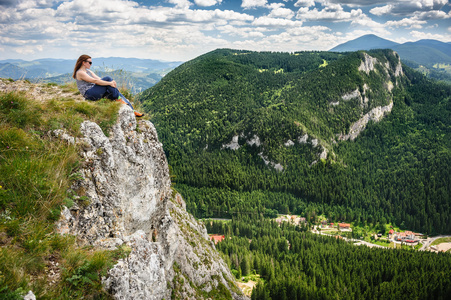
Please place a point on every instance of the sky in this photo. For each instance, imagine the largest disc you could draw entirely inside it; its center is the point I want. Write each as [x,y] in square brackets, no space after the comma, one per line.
[180,30]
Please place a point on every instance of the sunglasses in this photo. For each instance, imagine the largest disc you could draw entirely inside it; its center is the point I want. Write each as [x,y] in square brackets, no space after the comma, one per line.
[89,62]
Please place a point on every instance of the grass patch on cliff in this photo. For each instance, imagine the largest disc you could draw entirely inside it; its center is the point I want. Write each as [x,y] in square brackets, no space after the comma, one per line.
[35,176]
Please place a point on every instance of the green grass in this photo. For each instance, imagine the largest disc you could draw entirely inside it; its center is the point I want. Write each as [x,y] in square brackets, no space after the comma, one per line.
[35,180]
[382,243]
[441,240]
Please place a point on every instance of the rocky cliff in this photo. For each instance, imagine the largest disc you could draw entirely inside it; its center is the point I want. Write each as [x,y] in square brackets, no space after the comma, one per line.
[126,200]
[392,73]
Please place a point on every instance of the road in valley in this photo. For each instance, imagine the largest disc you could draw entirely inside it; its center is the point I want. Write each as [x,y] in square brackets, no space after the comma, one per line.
[358,242]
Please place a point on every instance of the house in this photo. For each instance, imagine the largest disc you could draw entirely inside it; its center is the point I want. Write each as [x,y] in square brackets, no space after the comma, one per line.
[344,226]
[390,233]
[406,236]
[292,219]
[217,238]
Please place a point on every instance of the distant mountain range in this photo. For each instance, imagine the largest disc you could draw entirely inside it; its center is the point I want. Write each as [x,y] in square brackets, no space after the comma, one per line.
[144,73]
[425,52]
[366,42]
[430,56]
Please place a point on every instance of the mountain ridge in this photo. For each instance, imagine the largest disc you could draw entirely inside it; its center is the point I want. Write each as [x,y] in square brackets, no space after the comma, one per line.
[365,42]
[280,112]
[426,51]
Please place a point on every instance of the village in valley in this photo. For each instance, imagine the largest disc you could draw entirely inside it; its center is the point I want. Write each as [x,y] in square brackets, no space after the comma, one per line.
[385,236]
[381,236]
[388,237]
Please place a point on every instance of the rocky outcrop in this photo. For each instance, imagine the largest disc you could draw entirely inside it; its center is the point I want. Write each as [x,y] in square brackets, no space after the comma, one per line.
[233,145]
[351,95]
[124,198]
[368,63]
[391,73]
[376,114]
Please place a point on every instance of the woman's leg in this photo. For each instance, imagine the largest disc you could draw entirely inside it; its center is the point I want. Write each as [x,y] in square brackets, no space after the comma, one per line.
[113,93]
[102,91]
[98,91]
[126,101]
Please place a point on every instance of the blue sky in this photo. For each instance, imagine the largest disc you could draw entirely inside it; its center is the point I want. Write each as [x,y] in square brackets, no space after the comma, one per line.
[177,30]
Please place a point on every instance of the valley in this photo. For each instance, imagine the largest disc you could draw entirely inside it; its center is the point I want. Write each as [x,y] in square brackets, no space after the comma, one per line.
[238,139]
[358,137]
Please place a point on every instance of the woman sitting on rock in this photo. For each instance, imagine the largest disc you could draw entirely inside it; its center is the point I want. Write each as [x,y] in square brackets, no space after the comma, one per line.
[92,87]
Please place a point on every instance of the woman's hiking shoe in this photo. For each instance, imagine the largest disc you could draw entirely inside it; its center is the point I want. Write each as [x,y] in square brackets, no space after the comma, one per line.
[138,115]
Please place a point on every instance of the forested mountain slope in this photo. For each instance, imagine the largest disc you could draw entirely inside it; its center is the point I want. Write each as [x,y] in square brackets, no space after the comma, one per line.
[352,135]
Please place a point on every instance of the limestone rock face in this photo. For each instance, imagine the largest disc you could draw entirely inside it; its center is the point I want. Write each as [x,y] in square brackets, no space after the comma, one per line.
[368,63]
[376,114]
[125,199]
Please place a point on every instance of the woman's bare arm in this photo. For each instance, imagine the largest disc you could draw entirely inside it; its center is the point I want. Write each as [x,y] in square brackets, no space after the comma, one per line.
[81,75]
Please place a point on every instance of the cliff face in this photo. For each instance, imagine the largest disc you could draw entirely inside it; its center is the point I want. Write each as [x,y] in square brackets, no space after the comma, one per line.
[377,113]
[125,199]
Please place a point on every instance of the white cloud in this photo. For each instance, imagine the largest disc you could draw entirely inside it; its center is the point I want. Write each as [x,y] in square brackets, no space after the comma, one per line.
[407,22]
[433,15]
[425,35]
[232,15]
[382,10]
[207,2]
[275,22]
[304,3]
[245,32]
[364,20]
[246,4]
[182,30]
[97,12]
[6,41]
[279,11]
[308,30]
[299,39]
[181,3]
[408,7]
[333,13]
[362,2]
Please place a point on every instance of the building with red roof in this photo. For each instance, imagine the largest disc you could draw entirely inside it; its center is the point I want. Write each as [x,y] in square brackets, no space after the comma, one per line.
[344,226]
[217,238]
